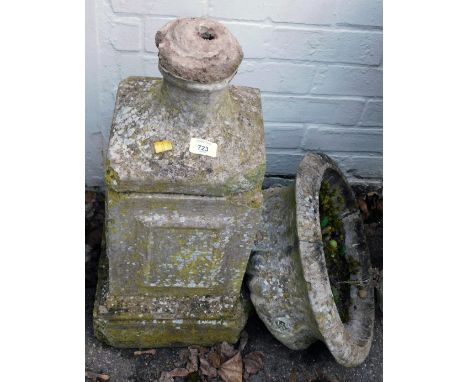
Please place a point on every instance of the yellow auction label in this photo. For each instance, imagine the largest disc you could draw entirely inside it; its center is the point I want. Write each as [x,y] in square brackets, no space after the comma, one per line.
[161,146]
[203,147]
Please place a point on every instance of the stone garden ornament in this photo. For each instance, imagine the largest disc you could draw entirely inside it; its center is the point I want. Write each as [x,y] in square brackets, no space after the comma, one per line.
[289,275]
[184,208]
[184,170]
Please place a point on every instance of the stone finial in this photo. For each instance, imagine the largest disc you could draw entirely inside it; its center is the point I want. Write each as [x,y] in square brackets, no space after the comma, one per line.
[198,49]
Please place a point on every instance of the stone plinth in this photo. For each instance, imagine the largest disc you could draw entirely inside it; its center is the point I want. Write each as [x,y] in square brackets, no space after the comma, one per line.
[180,223]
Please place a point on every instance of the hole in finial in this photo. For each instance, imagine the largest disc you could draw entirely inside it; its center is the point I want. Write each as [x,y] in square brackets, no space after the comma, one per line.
[207,34]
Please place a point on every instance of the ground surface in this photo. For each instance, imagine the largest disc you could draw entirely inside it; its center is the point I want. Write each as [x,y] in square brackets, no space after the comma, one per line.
[280,363]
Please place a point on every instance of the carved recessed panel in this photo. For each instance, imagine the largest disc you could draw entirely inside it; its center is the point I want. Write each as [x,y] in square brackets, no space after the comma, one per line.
[180,256]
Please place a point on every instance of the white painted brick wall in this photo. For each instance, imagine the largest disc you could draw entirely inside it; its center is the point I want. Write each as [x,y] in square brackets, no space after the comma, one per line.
[330,110]
[331,138]
[276,77]
[318,64]
[372,115]
[125,34]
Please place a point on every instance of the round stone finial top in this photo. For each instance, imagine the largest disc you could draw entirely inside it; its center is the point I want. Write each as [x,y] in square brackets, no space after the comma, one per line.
[198,49]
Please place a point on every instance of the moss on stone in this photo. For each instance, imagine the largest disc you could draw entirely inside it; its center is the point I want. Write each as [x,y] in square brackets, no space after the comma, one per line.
[111,178]
[330,207]
[255,177]
[126,326]
[353,265]
[250,199]
[164,333]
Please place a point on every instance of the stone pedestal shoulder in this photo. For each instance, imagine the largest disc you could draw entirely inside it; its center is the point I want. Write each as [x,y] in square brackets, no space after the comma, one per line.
[147,111]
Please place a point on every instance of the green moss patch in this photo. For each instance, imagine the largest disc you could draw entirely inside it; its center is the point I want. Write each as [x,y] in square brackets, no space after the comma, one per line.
[340,267]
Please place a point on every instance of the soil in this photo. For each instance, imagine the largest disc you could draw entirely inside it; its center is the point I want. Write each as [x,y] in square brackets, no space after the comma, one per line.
[280,363]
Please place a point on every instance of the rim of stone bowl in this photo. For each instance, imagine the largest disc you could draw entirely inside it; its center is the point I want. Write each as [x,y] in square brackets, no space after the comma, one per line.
[349,342]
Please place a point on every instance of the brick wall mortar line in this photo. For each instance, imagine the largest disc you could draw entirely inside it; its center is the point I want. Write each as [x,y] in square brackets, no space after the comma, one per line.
[323,97]
[268,22]
[310,62]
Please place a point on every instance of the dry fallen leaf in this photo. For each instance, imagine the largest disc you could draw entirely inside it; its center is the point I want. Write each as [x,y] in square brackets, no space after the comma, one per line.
[380,205]
[143,352]
[90,196]
[231,370]
[372,199]
[363,207]
[184,356]
[226,350]
[293,376]
[192,364]
[165,377]
[207,369]
[253,362]
[201,349]
[179,372]
[244,337]
[214,359]
[321,376]
[96,376]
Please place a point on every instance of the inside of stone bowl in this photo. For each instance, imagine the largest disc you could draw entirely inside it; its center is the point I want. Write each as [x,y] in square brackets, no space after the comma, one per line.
[339,218]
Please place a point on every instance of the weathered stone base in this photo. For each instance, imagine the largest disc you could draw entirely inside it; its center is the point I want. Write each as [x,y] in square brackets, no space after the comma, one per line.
[173,268]
[144,322]
[140,333]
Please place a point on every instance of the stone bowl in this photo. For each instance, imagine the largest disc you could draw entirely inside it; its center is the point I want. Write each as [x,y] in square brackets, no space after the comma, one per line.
[288,276]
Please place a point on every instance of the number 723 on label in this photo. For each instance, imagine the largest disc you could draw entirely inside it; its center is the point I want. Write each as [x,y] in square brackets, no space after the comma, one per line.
[203,147]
